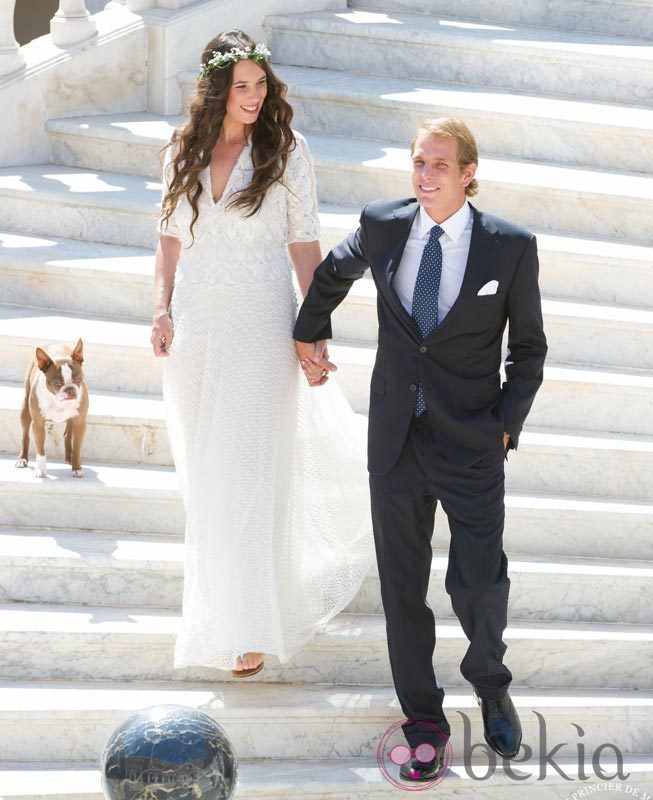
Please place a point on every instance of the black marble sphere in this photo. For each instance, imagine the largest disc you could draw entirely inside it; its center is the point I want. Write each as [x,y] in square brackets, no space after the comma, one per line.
[169,752]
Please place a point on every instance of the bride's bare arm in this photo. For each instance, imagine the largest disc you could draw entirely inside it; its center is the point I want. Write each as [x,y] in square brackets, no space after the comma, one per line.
[165,266]
[314,357]
[305,257]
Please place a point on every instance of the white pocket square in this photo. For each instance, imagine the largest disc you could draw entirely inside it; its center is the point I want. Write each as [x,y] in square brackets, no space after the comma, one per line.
[489,288]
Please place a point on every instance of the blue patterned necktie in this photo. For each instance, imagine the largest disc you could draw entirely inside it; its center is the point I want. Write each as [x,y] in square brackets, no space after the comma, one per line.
[425,296]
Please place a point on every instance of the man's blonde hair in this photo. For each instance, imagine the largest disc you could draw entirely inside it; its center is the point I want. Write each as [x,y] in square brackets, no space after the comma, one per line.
[452,128]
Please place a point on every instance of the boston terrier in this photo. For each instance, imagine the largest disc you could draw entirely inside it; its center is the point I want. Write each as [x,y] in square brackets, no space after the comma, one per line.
[55,391]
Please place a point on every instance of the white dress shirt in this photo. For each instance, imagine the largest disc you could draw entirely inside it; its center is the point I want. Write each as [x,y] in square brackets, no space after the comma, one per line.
[455,243]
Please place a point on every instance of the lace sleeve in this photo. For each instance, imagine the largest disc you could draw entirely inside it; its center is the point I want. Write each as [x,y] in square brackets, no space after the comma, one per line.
[171,228]
[303,222]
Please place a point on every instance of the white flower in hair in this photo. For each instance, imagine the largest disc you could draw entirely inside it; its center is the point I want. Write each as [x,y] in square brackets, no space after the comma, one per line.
[221,60]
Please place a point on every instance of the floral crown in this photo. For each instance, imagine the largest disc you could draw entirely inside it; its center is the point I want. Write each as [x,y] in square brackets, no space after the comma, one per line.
[221,60]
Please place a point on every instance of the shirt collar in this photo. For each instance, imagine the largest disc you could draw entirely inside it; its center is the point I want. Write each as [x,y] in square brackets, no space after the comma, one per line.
[453,226]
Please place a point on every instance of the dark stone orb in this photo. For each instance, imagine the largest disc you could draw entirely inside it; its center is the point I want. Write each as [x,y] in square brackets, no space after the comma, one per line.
[169,752]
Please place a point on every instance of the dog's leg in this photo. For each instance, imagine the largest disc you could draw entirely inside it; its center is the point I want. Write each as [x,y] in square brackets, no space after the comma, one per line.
[67,440]
[25,421]
[38,432]
[78,430]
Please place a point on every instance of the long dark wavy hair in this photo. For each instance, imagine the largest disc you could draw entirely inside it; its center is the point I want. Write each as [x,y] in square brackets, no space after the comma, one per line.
[271,137]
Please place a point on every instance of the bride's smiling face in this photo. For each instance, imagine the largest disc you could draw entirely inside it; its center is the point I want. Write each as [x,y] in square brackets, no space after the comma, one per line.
[248,90]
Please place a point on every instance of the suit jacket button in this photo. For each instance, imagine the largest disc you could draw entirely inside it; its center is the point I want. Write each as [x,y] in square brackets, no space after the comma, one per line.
[413,387]
[423,349]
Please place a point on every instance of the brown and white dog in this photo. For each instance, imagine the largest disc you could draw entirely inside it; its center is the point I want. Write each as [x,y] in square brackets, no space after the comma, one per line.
[55,391]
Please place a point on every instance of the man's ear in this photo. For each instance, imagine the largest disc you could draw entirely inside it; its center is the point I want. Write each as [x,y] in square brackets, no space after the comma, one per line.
[469,173]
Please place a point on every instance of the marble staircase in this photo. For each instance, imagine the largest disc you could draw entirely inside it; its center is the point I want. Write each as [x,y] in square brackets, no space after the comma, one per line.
[560,97]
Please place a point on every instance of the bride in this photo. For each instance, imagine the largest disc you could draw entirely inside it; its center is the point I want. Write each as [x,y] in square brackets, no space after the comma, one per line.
[272,474]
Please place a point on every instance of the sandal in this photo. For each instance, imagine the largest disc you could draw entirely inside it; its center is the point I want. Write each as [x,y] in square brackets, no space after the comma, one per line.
[247,673]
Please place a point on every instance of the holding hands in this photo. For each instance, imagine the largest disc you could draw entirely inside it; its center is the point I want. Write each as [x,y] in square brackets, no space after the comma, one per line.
[314,360]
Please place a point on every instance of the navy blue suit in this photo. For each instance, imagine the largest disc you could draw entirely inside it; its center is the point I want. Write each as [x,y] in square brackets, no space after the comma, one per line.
[454,453]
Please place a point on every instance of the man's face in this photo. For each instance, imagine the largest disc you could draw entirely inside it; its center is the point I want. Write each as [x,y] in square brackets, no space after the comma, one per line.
[438,180]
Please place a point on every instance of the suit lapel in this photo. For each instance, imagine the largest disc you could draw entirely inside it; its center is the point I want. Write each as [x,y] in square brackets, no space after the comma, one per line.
[483,249]
[403,218]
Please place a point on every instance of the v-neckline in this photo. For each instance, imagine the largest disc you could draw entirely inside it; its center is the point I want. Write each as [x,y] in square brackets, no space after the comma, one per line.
[227,185]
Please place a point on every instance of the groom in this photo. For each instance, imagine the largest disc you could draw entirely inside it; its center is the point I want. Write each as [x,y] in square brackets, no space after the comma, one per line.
[448,279]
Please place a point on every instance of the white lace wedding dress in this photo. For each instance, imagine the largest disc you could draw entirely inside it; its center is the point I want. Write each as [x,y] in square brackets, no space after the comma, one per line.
[272,473]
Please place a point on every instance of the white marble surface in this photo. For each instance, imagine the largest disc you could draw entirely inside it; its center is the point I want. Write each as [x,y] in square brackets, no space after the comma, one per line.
[584,462]
[585,621]
[69,567]
[145,499]
[176,38]
[28,263]
[75,80]
[318,779]
[129,428]
[625,17]
[309,721]
[52,200]
[354,171]
[98,642]
[118,497]
[508,124]
[575,200]
[518,58]
[118,356]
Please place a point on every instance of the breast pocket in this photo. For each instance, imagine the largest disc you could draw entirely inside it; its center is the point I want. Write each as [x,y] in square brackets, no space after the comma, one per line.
[489,299]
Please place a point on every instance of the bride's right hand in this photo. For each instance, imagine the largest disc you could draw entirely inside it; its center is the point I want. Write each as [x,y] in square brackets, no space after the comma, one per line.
[162,335]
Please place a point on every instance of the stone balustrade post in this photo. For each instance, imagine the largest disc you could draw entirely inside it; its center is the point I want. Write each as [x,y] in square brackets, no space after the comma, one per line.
[11,56]
[72,23]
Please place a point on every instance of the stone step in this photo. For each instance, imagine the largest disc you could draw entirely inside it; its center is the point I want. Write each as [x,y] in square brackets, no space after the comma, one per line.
[39,641]
[62,274]
[119,357]
[121,427]
[535,194]
[418,46]
[131,428]
[128,499]
[622,18]
[59,201]
[349,171]
[554,460]
[338,779]
[602,335]
[70,567]
[92,277]
[604,136]
[72,720]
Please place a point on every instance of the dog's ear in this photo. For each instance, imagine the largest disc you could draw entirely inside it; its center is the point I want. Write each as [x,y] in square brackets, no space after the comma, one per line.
[43,359]
[78,352]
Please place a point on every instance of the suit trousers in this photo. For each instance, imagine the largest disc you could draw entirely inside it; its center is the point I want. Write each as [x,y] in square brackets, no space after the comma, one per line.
[404,502]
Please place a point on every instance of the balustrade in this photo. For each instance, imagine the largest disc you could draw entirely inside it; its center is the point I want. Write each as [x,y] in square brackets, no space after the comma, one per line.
[11,57]
[72,23]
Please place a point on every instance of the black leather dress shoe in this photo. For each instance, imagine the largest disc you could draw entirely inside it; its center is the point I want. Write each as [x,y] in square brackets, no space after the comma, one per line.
[417,770]
[501,725]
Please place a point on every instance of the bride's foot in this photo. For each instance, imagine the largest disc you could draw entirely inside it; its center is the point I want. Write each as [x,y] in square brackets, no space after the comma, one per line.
[248,664]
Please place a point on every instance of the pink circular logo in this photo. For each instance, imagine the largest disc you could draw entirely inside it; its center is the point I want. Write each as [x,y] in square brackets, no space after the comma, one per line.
[393,752]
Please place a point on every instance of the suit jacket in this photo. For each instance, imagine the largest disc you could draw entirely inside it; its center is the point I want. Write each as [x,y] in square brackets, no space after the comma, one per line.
[458,363]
